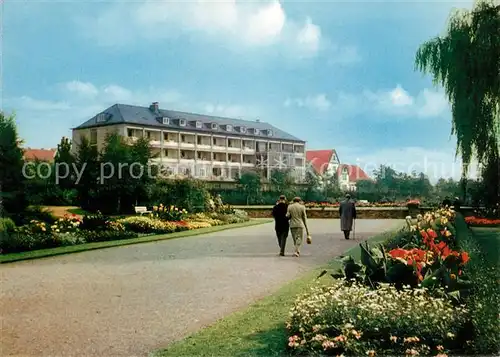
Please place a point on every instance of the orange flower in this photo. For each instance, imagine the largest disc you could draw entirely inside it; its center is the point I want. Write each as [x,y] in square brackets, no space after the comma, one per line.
[464,256]
[432,233]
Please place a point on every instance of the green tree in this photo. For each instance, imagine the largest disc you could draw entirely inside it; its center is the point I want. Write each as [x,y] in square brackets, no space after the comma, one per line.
[87,185]
[251,184]
[13,200]
[281,182]
[465,61]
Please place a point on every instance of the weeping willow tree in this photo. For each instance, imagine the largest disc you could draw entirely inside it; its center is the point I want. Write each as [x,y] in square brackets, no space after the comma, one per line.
[466,62]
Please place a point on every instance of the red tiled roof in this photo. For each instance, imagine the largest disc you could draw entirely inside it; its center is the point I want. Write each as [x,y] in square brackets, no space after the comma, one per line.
[319,159]
[39,154]
[355,172]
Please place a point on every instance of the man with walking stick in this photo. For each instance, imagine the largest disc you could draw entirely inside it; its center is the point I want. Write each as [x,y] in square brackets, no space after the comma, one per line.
[347,211]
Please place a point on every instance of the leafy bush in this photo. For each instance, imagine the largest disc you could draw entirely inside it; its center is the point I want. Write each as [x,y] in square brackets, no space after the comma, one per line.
[355,320]
[24,239]
[7,225]
[141,224]
[94,222]
[189,194]
[105,235]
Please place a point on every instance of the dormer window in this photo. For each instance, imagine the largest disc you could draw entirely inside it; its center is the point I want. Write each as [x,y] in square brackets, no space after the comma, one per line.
[256,131]
[199,125]
[182,122]
[243,129]
[229,127]
[166,120]
[214,126]
[100,118]
[269,133]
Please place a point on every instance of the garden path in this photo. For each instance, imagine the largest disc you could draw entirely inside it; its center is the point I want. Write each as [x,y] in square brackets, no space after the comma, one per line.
[130,300]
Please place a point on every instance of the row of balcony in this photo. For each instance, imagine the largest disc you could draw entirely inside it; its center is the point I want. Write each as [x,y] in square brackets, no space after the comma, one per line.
[175,140]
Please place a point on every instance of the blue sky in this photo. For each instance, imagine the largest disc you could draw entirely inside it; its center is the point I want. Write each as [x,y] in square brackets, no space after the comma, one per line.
[336,74]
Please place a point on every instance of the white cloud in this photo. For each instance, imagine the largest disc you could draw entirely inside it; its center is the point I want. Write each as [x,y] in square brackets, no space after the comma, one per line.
[435,163]
[427,103]
[81,88]
[236,24]
[317,102]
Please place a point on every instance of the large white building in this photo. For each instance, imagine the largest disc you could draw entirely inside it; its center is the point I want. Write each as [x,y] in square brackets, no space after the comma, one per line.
[200,146]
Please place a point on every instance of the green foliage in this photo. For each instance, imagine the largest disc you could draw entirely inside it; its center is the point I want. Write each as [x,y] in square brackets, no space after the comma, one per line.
[94,222]
[104,236]
[390,185]
[12,196]
[465,62]
[87,162]
[189,194]
[251,185]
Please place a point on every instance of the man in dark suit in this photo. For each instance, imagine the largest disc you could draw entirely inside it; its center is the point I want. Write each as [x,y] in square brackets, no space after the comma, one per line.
[281,223]
[347,212]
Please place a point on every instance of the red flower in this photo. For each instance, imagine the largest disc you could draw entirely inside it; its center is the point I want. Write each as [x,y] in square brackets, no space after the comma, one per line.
[432,233]
[464,256]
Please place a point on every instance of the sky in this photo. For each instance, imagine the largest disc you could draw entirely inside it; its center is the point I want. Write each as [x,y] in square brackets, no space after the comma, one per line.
[337,74]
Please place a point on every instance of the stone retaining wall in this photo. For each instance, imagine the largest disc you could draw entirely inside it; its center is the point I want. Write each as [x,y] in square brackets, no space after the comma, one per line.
[362,212]
[333,212]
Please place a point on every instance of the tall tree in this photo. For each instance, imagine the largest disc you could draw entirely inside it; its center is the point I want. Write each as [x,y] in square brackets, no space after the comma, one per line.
[65,158]
[12,197]
[87,163]
[251,184]
[466,62]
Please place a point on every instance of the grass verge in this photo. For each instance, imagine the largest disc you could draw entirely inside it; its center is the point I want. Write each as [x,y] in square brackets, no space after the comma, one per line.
[44,253]
[483,245]
[260,329]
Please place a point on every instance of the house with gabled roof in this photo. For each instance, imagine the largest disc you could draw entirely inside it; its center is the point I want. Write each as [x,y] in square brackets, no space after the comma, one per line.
[46,155]
[198,145]
[326,163]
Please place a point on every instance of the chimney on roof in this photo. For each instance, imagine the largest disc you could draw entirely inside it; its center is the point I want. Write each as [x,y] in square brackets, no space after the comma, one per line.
[154,107]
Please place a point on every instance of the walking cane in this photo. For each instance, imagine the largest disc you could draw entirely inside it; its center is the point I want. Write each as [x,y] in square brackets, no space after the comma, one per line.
[354,230]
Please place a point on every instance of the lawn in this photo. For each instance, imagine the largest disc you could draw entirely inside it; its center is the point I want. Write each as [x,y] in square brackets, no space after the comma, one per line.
[43,253]
[488,240]
[260,329]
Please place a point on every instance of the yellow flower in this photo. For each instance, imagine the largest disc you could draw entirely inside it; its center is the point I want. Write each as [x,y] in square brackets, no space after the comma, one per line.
[453,276]
[394,338]
[370,353]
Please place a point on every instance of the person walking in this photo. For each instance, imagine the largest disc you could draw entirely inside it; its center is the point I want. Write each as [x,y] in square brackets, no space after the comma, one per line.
[281,224]
[347,211]
[298,223]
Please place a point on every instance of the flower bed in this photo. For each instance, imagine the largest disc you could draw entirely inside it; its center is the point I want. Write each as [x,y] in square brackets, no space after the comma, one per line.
[70,230]
[407,296]
[482,222]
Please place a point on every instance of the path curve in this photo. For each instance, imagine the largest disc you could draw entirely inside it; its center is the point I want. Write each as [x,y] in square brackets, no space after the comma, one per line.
[130,300]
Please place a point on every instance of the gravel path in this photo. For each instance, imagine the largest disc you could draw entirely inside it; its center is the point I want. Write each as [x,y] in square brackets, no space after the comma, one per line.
[130,300]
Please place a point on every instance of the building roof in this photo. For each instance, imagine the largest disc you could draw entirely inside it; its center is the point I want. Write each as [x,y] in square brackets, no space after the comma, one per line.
[39,154]
[151,116]
[355,172]
[319,159]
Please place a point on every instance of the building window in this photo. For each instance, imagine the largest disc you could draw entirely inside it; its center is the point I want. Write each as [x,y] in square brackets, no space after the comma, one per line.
[199,125]
[203,172]
[101,117]
[182,122]
[256,131]
[344,174]
[214,126]
[93,137]
[269,133]
[243,129]
[166,120]
[130,133]
[229,127]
